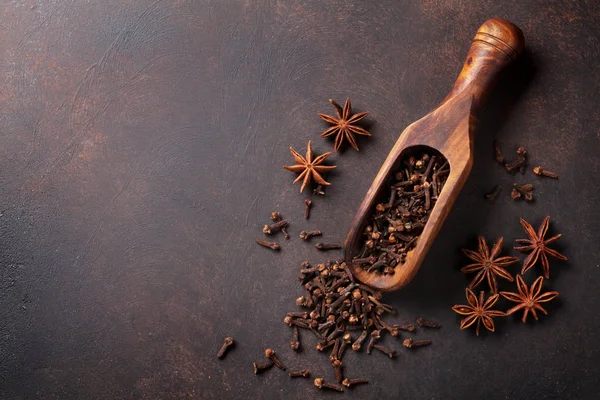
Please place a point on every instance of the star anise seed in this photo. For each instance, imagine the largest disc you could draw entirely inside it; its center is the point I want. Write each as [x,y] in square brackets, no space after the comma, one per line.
[344,126]
[488,265]
[529,299]
[309,168]
[538,247]
[478,311]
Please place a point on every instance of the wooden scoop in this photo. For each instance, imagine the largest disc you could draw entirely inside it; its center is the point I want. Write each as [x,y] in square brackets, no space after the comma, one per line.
[448,130]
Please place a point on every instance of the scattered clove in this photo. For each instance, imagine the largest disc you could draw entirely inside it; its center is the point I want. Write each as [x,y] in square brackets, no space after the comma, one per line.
[270,245]
[258,368]
[307,207]
[300,374]
[351,382]
[223,351]
[307,235]
[327,246]
[321,383]
[427,324]
[270,354]
[411,343]
[493,194]
[539,171]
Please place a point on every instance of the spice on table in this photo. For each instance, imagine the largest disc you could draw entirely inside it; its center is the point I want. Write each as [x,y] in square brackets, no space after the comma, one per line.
[410,343]
[522,192]
[529,299]
[538,247]
[226,345]
[321,383]
[492,194]
[327,246]
[275,227]
[270,354]
[351,382]
[258,368]
[295,342]
[307,207]
[344,126]
[398,221]
[299,374]
[498,153]
[479,310]
[385,350]
[309,168]
[304,235]
[270,245]
[520,163]
[427,324]
[319,191]
[338,366]
[488,264]
[276,217]
[539,171]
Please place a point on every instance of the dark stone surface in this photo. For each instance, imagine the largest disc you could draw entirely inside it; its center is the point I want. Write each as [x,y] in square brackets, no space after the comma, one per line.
[141,149]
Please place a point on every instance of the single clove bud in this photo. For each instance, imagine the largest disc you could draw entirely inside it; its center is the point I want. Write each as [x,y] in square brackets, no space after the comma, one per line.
[358,343]
[339,370]
[427,324]
[387,351]
[307,207]
[346,340]
[295,342]
[375,335]
[270,354]
[270,245]
[327,246]
[228,343]
[539,171]
[351,382]
[300,374]
[258,368]
[411,343]
[319,191]
[307,235]
[498,153]
[321,383]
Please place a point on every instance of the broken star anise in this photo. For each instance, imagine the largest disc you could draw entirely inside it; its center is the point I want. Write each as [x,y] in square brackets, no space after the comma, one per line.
[478,311]
[529,299]
[308,167]
[538,247]
[344,125]
[488,265]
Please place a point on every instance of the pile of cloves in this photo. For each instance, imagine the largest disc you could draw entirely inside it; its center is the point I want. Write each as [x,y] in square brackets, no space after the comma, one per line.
[397,222]
[344,314]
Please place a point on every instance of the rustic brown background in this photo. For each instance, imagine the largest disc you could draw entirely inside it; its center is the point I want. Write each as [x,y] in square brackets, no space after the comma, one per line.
[141,152]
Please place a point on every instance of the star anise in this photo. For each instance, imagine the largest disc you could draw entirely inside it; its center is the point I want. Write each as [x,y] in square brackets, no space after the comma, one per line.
[529,298]
[344,126]
[488,264]
[309,168]
[538,247]
[478,311]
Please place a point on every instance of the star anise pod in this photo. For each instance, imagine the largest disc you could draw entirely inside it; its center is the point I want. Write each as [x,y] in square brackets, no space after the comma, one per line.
[309,168]
[538,247]
[478,311]
[529,299]
[344,125]
[488,265]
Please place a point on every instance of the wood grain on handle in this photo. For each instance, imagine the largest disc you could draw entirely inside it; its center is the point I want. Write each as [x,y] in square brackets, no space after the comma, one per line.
[497,43]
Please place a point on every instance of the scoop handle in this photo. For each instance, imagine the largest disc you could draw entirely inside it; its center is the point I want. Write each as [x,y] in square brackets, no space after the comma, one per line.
[497,43]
